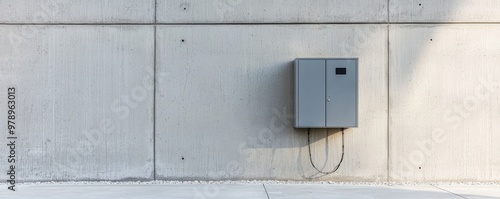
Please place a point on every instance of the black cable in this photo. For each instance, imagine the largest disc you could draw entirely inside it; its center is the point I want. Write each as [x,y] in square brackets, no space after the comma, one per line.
[310,156]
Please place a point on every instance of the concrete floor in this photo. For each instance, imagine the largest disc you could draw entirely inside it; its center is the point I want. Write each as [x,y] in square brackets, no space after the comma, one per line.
[249,191]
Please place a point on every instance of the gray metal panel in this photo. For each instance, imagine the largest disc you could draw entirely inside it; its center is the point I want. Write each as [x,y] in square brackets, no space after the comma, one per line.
[310,89]
[296,98]
[342,93]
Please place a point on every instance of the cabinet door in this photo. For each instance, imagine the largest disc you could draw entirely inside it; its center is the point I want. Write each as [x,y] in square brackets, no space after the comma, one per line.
[342,93]
[310,91]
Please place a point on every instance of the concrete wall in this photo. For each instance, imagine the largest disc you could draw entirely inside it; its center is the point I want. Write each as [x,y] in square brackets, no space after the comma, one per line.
[444,102]
[77,11]
[277,11]
[233,85]
[222,104]
[84,110]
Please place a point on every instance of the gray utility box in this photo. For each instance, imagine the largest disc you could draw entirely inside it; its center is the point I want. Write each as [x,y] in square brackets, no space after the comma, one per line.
[326,93]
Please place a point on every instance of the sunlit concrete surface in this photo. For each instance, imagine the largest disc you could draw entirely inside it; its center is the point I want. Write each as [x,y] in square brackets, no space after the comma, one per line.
[474,192]
[355,191]
[444,11]
[251,191]
[444,102]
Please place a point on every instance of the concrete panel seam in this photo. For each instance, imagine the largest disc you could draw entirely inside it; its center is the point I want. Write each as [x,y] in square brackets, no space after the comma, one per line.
[154,103]
[388,11]
[154,94]
[388,105]
[155,11]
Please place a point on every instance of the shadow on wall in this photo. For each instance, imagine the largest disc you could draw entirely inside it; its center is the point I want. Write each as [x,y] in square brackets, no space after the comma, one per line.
[280,132]
[281,124]
[277,132]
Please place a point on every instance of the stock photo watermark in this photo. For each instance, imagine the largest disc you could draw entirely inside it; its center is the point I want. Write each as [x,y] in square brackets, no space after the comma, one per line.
[279,121]
[225,6]
[47,11]
[121,108]
[454,118]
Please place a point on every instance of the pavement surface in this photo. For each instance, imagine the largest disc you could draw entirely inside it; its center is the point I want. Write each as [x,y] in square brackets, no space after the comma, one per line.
[248,191]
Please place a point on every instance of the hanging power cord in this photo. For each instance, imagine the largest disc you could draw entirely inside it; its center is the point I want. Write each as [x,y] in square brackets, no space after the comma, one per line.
[310,156]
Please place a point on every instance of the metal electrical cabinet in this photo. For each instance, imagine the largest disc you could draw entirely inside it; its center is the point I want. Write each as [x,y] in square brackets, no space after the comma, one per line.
[326,93]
